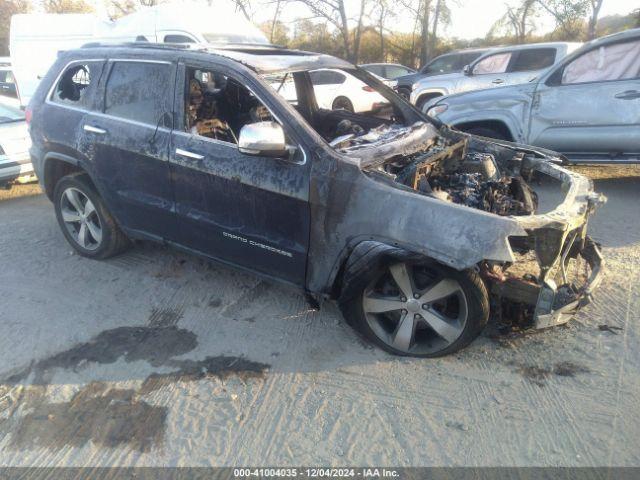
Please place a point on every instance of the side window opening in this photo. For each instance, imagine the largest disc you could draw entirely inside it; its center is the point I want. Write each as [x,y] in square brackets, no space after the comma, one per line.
[76,83]
[139,91]
[218,106]
[534,59]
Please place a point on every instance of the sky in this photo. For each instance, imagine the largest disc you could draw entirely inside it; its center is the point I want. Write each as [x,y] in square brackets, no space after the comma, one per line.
[470,18]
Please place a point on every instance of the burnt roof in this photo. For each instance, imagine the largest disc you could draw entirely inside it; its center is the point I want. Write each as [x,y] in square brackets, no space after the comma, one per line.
[263,58]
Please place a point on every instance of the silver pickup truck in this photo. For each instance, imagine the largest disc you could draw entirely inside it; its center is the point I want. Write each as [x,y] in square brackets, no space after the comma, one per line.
[587,107]
[498,67]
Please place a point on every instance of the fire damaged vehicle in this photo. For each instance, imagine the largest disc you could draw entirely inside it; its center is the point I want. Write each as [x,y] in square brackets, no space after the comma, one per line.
[418,231]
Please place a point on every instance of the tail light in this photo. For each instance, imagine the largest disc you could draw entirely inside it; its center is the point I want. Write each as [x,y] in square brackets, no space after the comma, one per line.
[28,113]
[367,88]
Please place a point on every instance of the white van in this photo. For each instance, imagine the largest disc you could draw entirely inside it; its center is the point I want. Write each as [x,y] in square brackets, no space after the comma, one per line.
[36,39]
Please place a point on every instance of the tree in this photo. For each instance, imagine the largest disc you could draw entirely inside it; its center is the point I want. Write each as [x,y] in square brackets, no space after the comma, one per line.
[66,6]
[595,5]
[334,12]
[519,20]
[568,15]
[7,9]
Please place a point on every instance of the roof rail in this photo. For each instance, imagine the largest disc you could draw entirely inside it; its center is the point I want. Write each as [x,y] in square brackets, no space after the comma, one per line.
[182,46]
[164,46]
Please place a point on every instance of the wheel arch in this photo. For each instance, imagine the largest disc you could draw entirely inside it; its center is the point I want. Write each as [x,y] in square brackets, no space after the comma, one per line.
[426,95]
[56,166]
[363,258]
[496,124]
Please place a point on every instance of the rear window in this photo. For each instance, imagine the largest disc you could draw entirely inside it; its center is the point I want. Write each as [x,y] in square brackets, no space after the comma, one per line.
[139,91]
[377,69]
[395,71]
[534,59]
[6,76]
[178,39]
[77,84]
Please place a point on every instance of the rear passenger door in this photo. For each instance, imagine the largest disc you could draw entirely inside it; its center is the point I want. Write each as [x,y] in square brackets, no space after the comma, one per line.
[129,143]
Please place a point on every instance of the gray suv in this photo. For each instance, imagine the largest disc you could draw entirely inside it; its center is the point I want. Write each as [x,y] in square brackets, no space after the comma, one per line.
[587,108]
[499,67]
[441,65]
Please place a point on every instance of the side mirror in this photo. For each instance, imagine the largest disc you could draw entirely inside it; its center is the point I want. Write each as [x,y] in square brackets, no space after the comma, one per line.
[263,138]
[467,70]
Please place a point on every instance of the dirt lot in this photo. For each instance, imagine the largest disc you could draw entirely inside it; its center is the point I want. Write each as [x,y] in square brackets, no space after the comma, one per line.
[158,358]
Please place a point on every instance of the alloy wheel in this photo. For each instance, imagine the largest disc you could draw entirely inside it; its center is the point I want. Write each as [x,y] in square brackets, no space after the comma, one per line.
[415,309]
[81,218]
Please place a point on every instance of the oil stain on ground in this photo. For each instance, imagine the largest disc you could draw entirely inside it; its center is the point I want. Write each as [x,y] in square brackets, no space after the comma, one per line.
[105,416]
[111,417]
[539,375]
[156,345]
[221,367]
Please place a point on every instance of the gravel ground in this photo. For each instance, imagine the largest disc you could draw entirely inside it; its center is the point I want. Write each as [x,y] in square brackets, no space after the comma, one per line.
[156,358]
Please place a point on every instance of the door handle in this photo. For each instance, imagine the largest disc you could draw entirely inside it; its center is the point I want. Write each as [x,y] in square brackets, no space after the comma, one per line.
[188,154]
[498,80]
[89,128]
[628,95]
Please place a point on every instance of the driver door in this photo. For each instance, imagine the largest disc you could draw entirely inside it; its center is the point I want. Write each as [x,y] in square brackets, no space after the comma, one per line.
[247,210]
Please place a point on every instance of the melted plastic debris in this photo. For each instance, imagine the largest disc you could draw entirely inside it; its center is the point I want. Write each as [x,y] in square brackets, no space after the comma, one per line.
[375,137]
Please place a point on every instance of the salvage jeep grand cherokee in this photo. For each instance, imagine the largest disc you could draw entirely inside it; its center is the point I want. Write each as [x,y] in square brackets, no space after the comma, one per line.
[418,231]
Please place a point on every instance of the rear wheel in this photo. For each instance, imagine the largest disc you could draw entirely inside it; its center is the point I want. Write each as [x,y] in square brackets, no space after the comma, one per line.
[418,309]
[342,103]
[84,219]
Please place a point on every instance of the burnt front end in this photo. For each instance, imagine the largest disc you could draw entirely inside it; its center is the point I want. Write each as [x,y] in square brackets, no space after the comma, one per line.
[546,267]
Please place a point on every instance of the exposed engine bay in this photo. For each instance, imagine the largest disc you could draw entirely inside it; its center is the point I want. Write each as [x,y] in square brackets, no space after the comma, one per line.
[449,170]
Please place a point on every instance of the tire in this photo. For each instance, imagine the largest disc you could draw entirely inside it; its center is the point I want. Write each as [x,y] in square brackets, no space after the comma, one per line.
[71,199]
[486,132]
[468,299]
[342,103]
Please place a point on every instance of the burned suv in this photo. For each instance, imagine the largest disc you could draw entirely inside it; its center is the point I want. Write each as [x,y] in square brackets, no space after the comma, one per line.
[419,232]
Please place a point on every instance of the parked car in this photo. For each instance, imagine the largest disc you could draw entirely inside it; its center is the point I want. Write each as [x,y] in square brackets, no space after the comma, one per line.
[500,67]
[8,88]
[587,107]
[388,71]
[337,90]
[412,227]
[15,163]
[448,63]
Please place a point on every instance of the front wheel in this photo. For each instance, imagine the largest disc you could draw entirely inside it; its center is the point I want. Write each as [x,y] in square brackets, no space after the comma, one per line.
[420,309]
[84,219]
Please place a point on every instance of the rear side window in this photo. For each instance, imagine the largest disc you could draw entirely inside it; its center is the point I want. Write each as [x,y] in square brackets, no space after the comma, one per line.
[534,59]
[178,39]
[77,84]
[326,77]
[139,91]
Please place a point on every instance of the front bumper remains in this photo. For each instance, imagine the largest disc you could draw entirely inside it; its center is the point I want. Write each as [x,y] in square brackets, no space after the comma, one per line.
[557,305]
